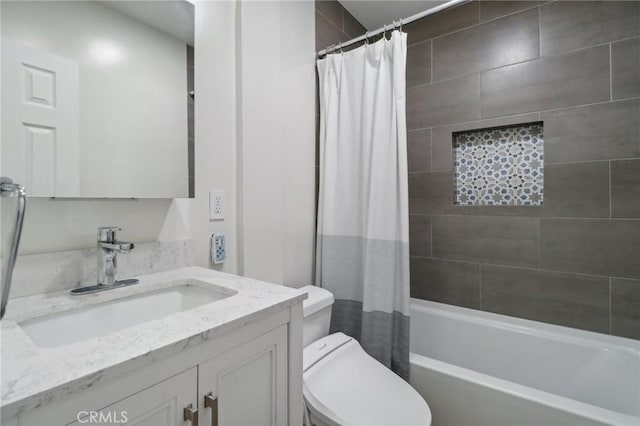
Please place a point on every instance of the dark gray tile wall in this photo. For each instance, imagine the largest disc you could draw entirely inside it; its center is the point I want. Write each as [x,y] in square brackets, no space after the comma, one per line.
[625,65]
[486,239]
[571,25]
[504,41]
[444,102]
[495,9]
[334,24]
[419,150]
[564,80]
[604,131]
[625,300]
[445,281]
[419,64]
[442,23]
[625,189]
[575,261]
[573,300]
[592,246]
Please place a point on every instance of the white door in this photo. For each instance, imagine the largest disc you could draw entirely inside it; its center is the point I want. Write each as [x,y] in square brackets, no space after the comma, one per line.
[162,404]
[247,385]
[40,120]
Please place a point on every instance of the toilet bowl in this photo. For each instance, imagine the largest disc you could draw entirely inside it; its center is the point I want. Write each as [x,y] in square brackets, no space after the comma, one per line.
[343,385]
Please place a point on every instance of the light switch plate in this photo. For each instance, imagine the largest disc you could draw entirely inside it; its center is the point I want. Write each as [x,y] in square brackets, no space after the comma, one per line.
[216,205]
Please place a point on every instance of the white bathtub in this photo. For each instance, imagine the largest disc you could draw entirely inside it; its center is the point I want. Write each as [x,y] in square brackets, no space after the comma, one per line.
[477,368]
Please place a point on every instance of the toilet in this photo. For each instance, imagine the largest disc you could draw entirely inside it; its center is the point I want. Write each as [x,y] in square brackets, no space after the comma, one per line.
[343,385]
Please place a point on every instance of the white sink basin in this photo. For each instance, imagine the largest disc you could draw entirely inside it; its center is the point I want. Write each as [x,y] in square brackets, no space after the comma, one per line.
[101,319]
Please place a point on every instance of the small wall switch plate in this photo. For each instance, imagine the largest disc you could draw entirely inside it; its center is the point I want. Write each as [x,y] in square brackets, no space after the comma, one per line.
[218,248]
[216,205]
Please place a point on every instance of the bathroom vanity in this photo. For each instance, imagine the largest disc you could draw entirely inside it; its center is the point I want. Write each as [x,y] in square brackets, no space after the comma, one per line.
[184,347]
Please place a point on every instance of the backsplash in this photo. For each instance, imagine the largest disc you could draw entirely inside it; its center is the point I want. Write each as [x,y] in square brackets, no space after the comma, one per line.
[500,166]
[50,272]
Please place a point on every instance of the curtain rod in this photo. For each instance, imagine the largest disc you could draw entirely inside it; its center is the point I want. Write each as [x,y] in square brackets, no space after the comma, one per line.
[403,21]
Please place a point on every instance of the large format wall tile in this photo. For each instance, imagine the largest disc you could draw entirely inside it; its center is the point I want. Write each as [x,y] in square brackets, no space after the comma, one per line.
[442,23]
[495,240]
[330,9]
[572,300]
[445,102]
[625,68]
[552,82]
[351,26]
[457,283]
[625,189]
[327,34]
[432,193]
[442,141]
[577,189]
[420,235]
[590,246]
[495,9]
[419,64]
[501,42]
[570,25]
[419,150]
[595,132]
[625,308]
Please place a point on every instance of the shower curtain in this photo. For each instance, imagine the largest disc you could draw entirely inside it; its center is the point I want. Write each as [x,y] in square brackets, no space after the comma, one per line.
[362,252]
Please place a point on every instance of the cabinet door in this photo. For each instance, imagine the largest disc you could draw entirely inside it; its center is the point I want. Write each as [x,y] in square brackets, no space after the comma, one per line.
[247,385]
[162,404]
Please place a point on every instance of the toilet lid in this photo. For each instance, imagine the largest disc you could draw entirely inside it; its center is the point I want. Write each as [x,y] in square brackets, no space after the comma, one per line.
[346,386]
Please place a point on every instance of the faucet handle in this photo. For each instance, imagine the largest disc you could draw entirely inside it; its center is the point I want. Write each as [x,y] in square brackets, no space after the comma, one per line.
[107,234]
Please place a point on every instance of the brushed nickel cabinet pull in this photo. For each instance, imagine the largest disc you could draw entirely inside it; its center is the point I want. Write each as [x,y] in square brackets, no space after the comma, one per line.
[211,402]
[191,414]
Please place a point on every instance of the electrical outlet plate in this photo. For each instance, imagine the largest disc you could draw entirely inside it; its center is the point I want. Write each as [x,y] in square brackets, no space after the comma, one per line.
[218,249]
[216,205]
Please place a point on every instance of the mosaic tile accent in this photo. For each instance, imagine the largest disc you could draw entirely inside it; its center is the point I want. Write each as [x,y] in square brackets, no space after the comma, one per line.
[500,166]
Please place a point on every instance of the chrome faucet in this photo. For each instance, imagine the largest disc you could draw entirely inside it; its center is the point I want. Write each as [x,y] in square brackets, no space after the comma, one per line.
[108,249]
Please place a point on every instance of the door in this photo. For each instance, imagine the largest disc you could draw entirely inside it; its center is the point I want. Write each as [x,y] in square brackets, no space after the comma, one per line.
[40,120]
[162,404]
[246,386]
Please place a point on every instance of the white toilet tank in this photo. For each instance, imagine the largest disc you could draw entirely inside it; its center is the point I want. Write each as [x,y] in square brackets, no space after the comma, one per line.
[317,314]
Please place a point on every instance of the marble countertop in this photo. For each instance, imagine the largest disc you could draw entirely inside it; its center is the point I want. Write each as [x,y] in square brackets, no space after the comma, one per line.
[33,376]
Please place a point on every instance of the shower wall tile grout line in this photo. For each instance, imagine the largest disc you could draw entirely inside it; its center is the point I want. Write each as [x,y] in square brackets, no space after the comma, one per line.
[527,268]
[501,117]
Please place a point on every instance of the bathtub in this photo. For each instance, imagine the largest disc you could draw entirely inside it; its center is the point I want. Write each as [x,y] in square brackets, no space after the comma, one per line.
[477,368]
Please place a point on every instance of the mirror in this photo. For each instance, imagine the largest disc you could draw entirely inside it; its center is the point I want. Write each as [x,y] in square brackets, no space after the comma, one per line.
[97,98]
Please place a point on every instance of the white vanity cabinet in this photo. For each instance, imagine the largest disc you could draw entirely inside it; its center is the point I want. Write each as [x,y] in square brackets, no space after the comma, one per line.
[160,405]
[249,376]
[246,384]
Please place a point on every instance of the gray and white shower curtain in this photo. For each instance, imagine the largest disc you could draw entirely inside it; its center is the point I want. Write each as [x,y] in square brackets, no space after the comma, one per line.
[363,233]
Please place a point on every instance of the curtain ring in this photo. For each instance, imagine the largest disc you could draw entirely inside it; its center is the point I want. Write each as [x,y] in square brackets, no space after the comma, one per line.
[400,24]
[366,38]
[340,47]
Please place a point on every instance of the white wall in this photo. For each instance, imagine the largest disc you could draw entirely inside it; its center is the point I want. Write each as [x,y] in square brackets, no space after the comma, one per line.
[133,90]
[277,140]
[215,127]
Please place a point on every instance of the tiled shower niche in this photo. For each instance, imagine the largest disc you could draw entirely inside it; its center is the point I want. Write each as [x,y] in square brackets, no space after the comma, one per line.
[499,166]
